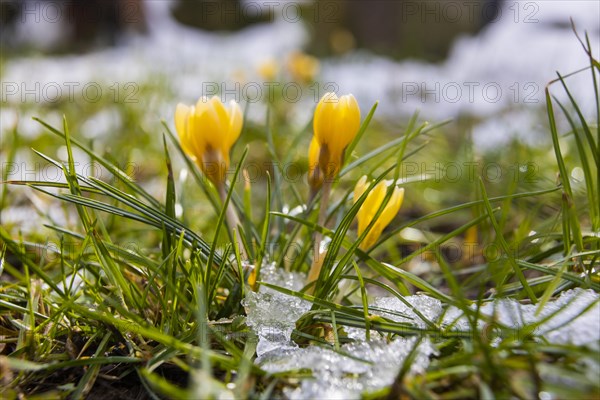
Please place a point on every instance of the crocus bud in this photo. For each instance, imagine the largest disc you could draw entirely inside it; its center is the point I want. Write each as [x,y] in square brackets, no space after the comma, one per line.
[370,207]
[336,123]
[207,131]
[303,67]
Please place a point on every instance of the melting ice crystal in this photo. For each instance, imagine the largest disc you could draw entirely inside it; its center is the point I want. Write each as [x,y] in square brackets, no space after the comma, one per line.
[370,365]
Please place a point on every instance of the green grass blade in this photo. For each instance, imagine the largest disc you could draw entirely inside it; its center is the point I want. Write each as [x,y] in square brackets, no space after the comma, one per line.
[262,251]
[503,245]
[361,130]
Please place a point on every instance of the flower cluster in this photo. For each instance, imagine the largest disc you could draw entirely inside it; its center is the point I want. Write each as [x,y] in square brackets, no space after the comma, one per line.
[300,67]
[208,130]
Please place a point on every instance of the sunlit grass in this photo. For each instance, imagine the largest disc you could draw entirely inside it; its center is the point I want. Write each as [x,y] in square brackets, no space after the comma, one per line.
[145,288]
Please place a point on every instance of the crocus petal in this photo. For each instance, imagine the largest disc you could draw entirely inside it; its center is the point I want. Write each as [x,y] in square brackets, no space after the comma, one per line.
[221,112]
[208,123]
[324,120]
[392,207]
[360,188]
[236,120]
[349,122]
[182,114]
[372,236]
[202,104]
[207,131]
[371,206]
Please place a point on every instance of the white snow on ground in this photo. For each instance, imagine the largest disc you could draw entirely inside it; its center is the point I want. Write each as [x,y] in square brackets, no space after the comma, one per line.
[274,314]
[573,318]
[498,75]
[373,364]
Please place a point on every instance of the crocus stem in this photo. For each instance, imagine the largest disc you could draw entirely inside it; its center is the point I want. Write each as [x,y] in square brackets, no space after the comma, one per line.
[232,220]
[317,263]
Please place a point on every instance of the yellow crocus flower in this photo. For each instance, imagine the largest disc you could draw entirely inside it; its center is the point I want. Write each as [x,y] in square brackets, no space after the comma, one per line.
[303,67]
[336,123]
[268,69]
[207,131]
[370,207]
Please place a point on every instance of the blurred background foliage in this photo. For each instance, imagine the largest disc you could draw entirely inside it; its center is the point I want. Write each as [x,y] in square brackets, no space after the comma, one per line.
[129,131]
[336,26]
